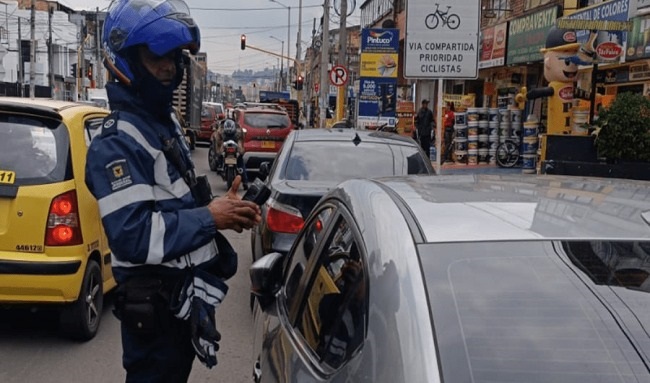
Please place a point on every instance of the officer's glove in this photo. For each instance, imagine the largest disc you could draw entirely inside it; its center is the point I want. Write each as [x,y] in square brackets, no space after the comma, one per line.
[205,336]
[197,300]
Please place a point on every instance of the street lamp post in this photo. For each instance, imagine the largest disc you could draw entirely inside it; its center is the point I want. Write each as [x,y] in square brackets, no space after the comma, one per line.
[281,63]
[288,30]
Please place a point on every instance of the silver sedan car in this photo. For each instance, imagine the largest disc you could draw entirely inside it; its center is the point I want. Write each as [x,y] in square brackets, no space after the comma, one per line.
[461,279]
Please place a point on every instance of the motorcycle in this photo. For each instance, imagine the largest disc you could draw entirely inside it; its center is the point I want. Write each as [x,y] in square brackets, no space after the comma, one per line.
[228,168]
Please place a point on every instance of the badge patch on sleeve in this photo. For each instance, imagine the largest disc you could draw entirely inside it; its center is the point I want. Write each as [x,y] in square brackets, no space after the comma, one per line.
[119,174]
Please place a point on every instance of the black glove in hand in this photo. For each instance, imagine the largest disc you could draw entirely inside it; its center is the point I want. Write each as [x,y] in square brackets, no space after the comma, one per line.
[205,336]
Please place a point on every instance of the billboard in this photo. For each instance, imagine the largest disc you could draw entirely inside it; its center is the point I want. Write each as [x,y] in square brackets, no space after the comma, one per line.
[493,46]
[527,35]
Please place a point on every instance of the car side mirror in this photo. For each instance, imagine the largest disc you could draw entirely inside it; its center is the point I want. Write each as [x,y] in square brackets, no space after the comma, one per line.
[265,169]
[266,278]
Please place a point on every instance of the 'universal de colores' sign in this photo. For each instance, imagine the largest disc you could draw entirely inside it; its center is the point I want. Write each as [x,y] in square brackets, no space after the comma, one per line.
[527,35]
[442,39]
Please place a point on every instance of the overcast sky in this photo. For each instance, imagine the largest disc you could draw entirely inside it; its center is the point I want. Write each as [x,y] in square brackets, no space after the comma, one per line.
[223,21]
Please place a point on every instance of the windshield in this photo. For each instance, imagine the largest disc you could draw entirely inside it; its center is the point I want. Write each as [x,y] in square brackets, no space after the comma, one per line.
[266,120]
[314,160]
[36,150]
[540,311]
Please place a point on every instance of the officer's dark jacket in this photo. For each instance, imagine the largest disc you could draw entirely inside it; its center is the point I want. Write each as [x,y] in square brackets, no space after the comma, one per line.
[147,209]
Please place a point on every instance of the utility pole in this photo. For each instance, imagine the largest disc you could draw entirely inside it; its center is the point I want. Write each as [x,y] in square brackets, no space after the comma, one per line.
[299,54]
[98,54]
[324,61]
[21,63]
[343,46]
[32,49]
[50,55]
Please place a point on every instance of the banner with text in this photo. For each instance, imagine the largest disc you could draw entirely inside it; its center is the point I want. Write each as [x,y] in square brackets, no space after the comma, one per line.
[527,35]
[493,46]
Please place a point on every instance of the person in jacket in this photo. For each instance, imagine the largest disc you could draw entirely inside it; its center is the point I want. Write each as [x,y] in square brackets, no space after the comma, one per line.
[230,130]
[424,125]
[168,257]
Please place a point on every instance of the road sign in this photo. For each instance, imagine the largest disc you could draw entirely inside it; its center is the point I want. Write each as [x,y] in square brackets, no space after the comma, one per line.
[316,87]
[442,41]
[338,75]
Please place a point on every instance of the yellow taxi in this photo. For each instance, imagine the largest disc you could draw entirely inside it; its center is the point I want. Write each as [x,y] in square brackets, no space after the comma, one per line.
[52,244]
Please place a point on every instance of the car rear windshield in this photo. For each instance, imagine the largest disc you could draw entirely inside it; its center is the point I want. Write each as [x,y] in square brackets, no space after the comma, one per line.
[565,311]
[36,150]
[266,120]
[342,160]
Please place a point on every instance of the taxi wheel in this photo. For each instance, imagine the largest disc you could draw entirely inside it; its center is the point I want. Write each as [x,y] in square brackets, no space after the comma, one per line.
[80,320]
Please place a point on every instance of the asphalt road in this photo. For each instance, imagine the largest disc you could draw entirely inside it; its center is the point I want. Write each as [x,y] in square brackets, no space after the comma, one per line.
[32,350]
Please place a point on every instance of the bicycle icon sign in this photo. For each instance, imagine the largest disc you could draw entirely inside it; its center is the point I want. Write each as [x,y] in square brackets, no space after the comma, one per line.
[452,21]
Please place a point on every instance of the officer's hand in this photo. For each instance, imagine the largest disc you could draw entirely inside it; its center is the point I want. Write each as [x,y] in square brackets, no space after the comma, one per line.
[230,212]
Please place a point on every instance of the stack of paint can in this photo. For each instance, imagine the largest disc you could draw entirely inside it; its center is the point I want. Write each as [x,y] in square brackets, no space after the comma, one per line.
[483,127]
[504,125]
[473,121]
[515,123]
[530,145]
[493,134]
[460,138]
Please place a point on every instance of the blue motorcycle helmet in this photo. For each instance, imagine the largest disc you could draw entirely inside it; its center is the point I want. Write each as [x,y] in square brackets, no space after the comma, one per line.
[161,25]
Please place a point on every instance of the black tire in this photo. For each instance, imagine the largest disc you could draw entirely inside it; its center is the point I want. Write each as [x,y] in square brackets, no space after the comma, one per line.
[453,22]
[507,154]
[431,21]
[80,320]
[212,158]
[231,172]
[192,138]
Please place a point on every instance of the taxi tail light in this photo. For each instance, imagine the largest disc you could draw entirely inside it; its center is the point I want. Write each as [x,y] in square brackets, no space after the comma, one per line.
[283,219]
[63,221]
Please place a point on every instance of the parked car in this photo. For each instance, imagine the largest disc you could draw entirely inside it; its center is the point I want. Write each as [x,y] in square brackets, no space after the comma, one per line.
[314,161]
[53,250]
[461,279]
[265,131]
[209,121]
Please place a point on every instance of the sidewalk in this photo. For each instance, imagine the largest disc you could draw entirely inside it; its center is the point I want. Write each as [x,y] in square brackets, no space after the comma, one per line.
[453,168]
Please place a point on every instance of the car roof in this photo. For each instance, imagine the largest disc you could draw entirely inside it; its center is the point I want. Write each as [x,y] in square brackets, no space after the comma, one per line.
[255,109]
[345,134]
[467,208]
[46,106]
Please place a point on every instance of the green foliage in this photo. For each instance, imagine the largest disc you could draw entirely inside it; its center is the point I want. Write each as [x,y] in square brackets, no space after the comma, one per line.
[625,129]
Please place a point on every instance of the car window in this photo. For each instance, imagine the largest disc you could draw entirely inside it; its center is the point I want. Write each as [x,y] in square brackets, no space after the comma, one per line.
[206,112]
[92,127]
[333,314]
[36,150]
[266,120]
[302,251]
[539,310]
[219,109]
[313,160]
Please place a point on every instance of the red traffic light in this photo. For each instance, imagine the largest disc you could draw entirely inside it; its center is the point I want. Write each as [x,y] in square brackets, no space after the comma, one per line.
[243,42]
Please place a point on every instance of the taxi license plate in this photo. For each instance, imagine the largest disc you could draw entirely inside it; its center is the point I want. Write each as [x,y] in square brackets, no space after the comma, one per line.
[268,144]
[231,161]
[7,177]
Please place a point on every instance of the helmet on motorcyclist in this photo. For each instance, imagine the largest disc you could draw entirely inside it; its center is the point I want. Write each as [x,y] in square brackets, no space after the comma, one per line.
[229,127]
[163,26]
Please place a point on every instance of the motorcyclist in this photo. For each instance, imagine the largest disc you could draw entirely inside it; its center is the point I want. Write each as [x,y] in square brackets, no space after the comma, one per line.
[229,130]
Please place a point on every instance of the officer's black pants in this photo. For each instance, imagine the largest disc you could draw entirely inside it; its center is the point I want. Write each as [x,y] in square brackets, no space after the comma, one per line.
[166,356]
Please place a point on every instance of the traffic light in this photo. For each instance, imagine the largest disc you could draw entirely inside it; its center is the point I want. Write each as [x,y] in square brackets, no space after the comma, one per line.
[243,42]
[298,83]
[73,70]
[89,71]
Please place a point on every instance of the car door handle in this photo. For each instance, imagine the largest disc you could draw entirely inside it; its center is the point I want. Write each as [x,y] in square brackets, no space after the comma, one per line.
[257,371]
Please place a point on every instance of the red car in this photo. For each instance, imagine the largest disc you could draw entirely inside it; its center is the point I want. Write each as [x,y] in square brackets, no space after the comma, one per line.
[265,130]
[211,114]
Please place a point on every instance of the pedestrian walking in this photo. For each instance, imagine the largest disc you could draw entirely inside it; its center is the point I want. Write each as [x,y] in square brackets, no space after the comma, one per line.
[169,259]
[425,125]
